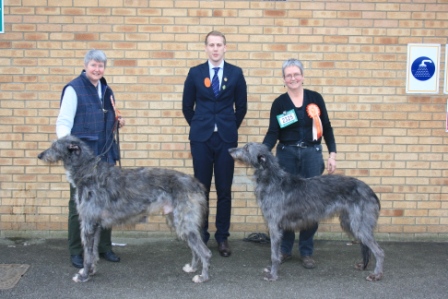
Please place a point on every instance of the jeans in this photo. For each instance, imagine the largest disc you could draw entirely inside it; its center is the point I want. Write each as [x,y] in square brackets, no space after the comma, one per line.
[306,162]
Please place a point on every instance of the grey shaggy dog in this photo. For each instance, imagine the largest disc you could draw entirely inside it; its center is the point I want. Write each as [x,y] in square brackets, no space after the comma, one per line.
[290,202]
[108,195]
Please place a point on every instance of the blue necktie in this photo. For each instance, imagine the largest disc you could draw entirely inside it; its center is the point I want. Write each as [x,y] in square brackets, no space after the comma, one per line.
[215,82]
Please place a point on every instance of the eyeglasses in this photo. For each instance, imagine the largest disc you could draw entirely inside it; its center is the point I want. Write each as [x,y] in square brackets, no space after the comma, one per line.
[291,76]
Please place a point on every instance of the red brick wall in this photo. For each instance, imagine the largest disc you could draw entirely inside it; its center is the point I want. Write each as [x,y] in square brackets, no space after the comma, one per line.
[354,54]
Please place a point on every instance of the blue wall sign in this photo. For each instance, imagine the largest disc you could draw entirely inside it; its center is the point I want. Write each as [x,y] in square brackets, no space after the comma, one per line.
[2,22]
[423,68]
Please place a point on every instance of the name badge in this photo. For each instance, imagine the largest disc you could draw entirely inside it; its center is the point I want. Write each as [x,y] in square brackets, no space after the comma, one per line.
[287,118]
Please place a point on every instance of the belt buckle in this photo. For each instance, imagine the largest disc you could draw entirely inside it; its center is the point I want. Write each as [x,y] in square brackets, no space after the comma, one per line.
[301,144]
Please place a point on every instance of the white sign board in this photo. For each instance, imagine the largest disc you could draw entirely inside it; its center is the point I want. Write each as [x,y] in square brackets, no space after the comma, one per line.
[2,15]
[422,71]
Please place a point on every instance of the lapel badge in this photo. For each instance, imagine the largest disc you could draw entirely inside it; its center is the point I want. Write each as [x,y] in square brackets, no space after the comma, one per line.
[207,82]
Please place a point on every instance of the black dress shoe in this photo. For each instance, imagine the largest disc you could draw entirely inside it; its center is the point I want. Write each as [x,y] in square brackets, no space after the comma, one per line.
[77,261]
[110,256]
[224,249]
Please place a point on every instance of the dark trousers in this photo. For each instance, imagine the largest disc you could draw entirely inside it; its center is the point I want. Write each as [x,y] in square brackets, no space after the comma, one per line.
[212,157]
[306,162]
[74,231]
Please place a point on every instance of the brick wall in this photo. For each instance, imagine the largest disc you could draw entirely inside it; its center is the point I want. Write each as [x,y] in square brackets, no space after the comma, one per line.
[354,54]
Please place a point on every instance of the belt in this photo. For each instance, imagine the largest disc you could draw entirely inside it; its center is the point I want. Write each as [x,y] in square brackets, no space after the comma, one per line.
[301,144]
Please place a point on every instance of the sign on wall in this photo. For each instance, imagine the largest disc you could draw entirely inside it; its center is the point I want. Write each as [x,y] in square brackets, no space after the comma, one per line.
[2,24]
[422,71]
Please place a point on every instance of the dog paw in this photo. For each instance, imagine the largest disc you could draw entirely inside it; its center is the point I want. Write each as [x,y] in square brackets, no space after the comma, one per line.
[270,277]
[79,278]
[189,269]
[374,277]
[360,266]
[199,279]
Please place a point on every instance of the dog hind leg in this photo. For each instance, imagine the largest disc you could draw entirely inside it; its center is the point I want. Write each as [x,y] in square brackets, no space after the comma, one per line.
[199,251]
[346,224]
[187,219]
[365,253]
[379,257]
[369,245]
[193,266]
[360,222]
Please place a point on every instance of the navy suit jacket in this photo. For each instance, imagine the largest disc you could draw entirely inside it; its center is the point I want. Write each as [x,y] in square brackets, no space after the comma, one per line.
[203,110]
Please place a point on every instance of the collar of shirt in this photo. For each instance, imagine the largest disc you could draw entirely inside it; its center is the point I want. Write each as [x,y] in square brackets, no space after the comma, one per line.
[212,71]
[99,89]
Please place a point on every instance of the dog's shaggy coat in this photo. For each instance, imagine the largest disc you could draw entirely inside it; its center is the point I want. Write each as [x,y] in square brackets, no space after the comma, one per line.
[289,202]
[108,195]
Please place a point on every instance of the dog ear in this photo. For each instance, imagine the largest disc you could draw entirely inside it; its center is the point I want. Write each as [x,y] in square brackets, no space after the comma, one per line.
[74,148]
[261,159]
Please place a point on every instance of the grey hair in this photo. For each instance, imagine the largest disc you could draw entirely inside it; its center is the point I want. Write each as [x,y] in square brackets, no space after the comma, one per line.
[96,55]
[292,62]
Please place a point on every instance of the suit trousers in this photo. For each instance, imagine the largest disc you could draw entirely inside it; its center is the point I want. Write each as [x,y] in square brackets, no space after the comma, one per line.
[74,231]
[212,157]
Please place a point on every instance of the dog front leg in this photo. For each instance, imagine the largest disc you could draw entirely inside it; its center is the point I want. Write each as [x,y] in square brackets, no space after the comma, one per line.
[90,238]
[271,272]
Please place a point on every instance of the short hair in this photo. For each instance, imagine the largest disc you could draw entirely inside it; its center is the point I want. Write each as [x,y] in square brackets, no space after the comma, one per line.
[292,62]
[96,55]
[215,33]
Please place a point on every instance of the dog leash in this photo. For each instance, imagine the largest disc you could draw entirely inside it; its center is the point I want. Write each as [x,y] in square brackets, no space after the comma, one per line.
[257,238]
[117,126]
[115,133]
[118,148]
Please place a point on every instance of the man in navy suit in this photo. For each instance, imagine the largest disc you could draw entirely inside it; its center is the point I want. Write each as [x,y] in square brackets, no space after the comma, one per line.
[214,104]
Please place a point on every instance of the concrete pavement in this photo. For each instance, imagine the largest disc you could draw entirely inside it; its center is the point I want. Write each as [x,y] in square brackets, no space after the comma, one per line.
[152,268]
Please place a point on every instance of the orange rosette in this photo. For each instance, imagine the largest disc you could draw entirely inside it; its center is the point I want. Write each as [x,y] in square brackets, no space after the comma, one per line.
[313,112]
[207,82]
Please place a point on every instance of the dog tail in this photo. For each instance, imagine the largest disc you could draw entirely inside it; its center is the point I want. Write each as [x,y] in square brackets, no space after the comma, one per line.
[365,251]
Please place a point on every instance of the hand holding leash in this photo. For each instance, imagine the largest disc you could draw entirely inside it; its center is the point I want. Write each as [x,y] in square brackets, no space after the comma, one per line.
[118,118]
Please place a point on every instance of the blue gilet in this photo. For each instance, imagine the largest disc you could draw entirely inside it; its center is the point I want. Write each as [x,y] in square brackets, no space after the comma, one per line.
[95,118]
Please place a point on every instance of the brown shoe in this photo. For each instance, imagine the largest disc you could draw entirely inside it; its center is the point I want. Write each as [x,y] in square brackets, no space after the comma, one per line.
[308,262]
[285,257]
[224,249]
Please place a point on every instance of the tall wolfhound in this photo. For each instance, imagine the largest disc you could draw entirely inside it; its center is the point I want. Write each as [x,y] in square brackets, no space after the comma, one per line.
[108,195]
[289,202]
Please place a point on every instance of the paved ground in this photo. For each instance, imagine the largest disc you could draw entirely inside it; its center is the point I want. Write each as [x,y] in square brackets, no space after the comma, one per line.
[152,268]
